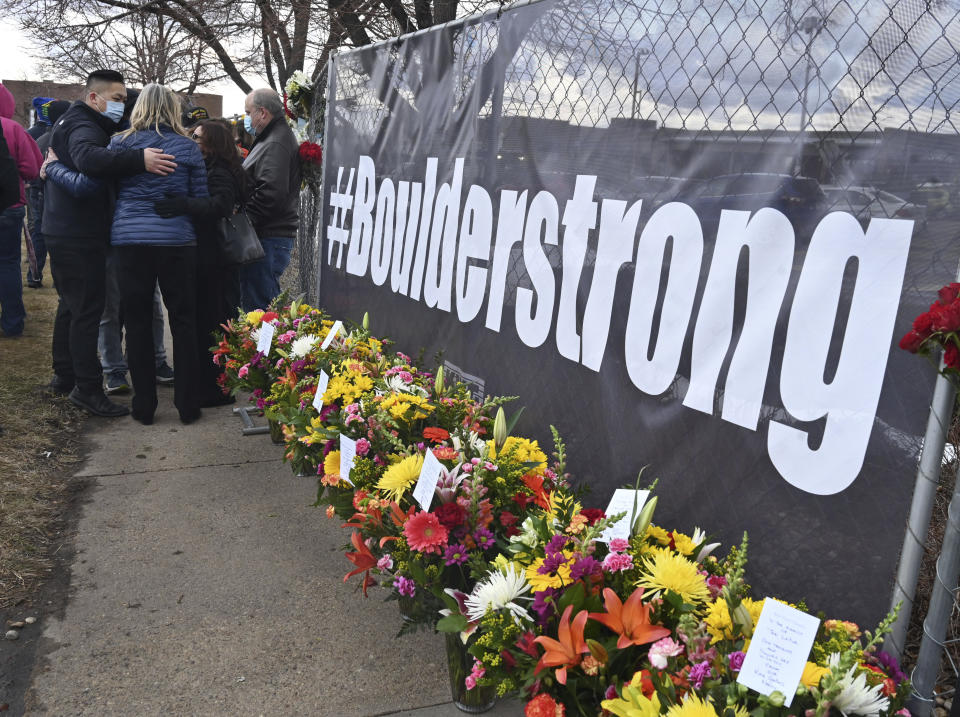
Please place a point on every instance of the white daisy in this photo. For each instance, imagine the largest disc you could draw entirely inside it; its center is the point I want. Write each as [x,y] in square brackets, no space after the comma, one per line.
[302,345]
[856,698]
[499,591]
[395,384]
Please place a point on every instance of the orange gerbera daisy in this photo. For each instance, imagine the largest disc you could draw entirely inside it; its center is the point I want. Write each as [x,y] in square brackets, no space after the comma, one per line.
[425,533]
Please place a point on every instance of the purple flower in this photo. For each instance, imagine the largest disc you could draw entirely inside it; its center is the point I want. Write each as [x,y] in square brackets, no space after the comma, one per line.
[552,563]
[890,665]
[699,672]
[544,605]
[736,660]
[455,554]
[611,693]
[405,586]
[483,538]
[557,543]
[584,567]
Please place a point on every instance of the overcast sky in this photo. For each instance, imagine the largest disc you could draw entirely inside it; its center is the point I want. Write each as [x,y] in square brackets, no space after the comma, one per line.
[16,63]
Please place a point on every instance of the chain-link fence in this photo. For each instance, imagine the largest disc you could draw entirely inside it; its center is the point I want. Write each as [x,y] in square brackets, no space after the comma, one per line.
[805,106]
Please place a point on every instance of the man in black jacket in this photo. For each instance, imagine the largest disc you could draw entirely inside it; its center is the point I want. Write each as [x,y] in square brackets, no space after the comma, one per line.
[273,166]
[77,231]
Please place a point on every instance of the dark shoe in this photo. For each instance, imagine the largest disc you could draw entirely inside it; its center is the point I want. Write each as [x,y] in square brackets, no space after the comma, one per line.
[35,283]
[97,403]
[116,383]
[145,418]
[59,387]
[217,400]
[164,374]
[188,418]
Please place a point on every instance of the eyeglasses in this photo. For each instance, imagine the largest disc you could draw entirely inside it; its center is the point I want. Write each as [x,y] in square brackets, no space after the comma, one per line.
[196,137]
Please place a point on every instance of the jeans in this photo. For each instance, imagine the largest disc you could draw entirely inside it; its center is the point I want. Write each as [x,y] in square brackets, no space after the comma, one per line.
[110,340]
[12,312]
[35,224]
[78,265]
[260,280]
[141,267]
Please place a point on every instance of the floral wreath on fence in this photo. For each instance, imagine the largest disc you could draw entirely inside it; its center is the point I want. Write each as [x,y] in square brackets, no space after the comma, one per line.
[476,532]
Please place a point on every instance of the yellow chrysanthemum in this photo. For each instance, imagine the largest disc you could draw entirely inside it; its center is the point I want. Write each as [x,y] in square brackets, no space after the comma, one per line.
[523,450]
[663,569]
[633,703]
[542,582]
[253,317]
[812,674]
[407,407]
[400,476]
[658,534]
[347,385]
[683,543]
[720,624]
[693,706]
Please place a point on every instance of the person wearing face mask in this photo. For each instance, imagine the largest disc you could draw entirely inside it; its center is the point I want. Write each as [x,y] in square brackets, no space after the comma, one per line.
[273,167]
[77,232]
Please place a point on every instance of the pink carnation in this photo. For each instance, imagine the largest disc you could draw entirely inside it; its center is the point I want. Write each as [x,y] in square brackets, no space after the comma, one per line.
[619,545]
[386,562]
[617,562]
[244,370]
[363,446]
[661,650]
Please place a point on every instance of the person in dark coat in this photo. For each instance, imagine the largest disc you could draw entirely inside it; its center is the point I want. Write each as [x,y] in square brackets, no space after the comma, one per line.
[77,231]
[150,248]
[218,283]
[273,166]
[47,116]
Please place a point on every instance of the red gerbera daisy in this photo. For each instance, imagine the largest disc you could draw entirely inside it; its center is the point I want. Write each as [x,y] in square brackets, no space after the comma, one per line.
[425,533]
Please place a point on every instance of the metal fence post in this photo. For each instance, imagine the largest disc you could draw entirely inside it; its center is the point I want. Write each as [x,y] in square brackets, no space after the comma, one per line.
[924,676]
[928,477]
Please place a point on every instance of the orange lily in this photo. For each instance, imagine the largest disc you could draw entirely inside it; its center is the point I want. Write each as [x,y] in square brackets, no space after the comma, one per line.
[566,651]
[363,559]
[630,620]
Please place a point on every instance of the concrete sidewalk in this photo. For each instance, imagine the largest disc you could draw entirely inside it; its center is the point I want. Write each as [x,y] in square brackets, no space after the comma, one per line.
[204,583]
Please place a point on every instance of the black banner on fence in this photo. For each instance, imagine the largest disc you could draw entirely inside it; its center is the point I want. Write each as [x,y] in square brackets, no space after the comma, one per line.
[609,209]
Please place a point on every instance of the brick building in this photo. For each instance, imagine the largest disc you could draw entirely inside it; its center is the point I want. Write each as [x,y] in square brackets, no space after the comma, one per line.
[25,90]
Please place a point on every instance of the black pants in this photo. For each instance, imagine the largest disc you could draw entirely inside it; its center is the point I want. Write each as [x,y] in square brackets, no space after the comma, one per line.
[218,299]
[78,265]
[140,267]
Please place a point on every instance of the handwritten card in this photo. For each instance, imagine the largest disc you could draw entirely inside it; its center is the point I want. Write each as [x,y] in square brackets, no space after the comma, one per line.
[628,501]
[427,483]
[348,454]
[322,380]
[265,338]
[334,330]
[778,651]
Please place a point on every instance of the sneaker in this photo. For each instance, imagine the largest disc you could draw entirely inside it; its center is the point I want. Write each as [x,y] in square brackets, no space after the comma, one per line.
[116,383]
[164,374]
[97,403]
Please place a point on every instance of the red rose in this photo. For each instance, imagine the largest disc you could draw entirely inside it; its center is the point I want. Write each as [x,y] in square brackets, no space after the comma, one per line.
[592,514]
[923,324]
[911,342]
[450,515]
[948,294]
[269,316]
[947,318]
[951,356]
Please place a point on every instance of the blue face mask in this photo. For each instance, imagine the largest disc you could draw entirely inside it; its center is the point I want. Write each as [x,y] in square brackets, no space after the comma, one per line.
[248,125]
[114,111]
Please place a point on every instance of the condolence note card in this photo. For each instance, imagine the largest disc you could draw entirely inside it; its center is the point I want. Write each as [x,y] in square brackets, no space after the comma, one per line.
[265,338]
[627,501]
[322,380]
[778,651]
[348,454]
[427,483]
[334,330]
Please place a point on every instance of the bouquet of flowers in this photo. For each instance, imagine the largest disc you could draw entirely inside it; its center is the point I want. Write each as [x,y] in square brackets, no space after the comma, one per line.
[937,328]
[298,96]
[311,164]
[646,625]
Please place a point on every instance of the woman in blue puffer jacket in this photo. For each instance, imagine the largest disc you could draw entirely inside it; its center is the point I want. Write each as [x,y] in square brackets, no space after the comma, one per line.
[150,248]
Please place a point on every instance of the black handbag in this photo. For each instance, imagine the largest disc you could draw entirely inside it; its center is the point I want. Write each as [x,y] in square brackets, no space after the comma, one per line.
[238,239]
[9,176]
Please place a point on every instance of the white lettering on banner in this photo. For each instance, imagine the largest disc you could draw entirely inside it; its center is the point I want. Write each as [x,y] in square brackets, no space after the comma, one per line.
[443,242]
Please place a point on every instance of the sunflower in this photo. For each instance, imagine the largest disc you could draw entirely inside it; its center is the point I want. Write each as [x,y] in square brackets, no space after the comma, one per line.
[693,706]
[400,476]
[663,569]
